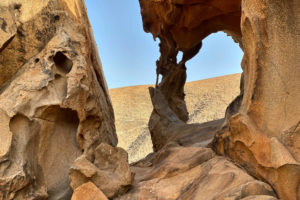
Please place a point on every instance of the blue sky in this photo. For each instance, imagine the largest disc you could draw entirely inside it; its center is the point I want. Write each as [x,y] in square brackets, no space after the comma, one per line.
[128,54]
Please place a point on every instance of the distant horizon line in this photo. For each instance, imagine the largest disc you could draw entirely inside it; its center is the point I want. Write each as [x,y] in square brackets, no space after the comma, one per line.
[186,82]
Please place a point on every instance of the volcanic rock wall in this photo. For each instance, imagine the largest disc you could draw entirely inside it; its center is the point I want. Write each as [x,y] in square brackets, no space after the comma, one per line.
[54,102]
[261,128]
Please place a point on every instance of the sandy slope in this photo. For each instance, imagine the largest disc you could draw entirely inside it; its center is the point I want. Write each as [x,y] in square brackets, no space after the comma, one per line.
[206,100]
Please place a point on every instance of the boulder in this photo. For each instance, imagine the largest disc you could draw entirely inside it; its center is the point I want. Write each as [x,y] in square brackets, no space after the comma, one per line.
[88,191]
[109,171]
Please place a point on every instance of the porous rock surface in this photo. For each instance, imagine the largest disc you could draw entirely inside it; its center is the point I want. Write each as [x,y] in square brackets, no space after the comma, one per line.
[261,127]
[54,102]
[57,122]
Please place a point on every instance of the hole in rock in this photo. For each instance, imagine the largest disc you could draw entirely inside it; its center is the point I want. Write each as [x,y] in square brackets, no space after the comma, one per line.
[62,63]
[81,136]
[159,78]
[36,60]
[129,66]
[179,56]
[56,18]
[213,78]
[57,76]
[17,6]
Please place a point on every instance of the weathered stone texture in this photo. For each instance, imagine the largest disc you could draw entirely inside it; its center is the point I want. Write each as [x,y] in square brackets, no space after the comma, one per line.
[109,171]
[54,103]
[192,173]
[263,135]
[181,26]
[261,127]
[56,114]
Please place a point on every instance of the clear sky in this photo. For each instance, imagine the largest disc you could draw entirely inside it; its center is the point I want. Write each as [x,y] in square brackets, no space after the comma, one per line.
[128,54]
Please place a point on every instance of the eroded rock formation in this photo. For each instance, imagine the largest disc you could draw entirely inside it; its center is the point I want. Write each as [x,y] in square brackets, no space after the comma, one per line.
[263,135]
[179,26]
[261,128]
[54,103]
[57,123]
[192,173]
[109,171]
[206,100]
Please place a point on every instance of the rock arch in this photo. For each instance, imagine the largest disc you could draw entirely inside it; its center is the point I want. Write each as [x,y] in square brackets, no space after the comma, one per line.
[262,124]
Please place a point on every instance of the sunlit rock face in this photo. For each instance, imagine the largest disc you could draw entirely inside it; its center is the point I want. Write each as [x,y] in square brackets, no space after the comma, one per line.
[54,103]
[193,173]
[55,111]
[182,22]
[264,134]
[180,27]
[261,127]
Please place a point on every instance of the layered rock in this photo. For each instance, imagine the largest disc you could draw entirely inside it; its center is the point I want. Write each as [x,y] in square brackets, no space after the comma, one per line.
[261,128]
[54,103]
[177,172]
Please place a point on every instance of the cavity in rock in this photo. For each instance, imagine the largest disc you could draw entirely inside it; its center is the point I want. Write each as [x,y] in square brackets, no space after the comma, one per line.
[62,63]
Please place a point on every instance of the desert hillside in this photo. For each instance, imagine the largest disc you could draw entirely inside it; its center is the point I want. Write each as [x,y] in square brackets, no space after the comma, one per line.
[206,100]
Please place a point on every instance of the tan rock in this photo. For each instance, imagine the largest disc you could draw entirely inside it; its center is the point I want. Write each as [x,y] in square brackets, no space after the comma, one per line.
[109,171]
[54,102]
[55,107]
[179,26]
[259,197]
[177,172]
[88,191]
[166,127]
[261,126]
[256,187]
[8,32]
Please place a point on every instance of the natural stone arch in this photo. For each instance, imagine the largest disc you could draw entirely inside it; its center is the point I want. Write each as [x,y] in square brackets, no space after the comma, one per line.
[181,26]
[218,65]
[262,124]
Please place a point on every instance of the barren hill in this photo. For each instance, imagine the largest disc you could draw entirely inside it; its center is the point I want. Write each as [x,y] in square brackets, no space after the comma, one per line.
[206,100]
